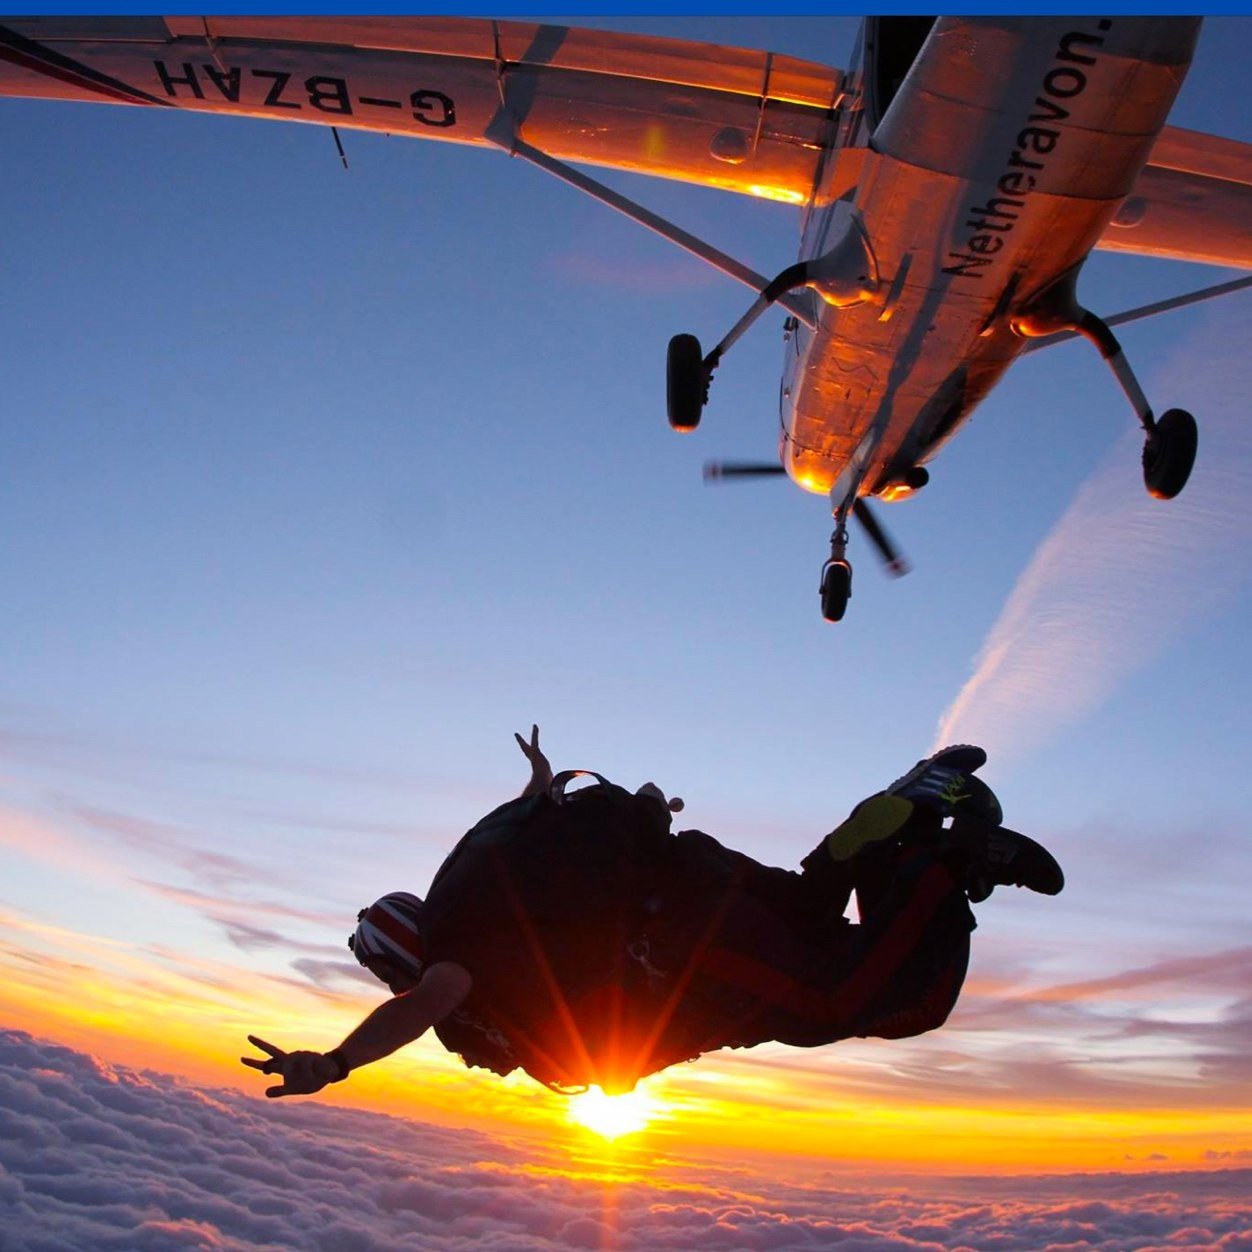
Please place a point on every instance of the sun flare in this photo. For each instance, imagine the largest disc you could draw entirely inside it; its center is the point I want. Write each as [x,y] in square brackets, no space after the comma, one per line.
[611,1116]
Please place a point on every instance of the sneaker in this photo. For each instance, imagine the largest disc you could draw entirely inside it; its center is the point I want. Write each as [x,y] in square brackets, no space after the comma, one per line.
[872,822]
[996,856]
[945,782]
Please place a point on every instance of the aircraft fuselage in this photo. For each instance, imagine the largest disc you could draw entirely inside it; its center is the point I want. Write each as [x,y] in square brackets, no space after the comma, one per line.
[995,169]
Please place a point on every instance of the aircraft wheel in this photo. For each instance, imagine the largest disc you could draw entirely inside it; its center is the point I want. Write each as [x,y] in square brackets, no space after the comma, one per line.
[686,383]
[836,589]
[1169,454]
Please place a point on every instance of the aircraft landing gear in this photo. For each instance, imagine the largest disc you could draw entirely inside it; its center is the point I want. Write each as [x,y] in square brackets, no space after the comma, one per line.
[836,589]
[1169,446]
[688,373]
[847,275]
[686,383]
[836,586]
[1169,453]
[1170,442]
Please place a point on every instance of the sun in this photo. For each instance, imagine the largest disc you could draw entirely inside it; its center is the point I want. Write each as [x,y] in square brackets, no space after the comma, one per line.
[611,1116]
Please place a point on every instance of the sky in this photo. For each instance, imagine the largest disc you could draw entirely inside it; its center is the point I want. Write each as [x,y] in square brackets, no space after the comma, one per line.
[319,484]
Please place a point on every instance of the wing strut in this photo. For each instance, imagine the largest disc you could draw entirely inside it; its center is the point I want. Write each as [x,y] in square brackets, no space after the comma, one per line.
[1148,310]
[799,305]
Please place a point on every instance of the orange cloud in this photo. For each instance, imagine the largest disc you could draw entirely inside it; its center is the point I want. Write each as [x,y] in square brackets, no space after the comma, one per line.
[1230,968]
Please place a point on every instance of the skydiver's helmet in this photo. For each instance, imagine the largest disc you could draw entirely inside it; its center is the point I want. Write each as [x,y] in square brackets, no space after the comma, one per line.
[389,929]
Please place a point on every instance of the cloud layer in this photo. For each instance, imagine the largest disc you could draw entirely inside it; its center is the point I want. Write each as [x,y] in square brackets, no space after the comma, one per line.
[93,1156]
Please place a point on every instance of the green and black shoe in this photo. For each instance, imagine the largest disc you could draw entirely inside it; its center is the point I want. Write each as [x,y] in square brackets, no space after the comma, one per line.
[945,783]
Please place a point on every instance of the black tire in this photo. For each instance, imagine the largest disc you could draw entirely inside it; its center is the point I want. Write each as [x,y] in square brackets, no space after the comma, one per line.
[836,590]
[686,383]
[1169,453]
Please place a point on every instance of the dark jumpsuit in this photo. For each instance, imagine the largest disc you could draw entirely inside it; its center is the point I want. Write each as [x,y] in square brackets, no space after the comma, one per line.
[630,952]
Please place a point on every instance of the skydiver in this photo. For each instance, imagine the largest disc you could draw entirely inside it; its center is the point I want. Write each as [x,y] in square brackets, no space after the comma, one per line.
[574,936]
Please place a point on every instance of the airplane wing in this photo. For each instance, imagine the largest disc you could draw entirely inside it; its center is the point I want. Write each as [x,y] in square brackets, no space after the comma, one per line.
[744,121]
[1192,202]
[750,122]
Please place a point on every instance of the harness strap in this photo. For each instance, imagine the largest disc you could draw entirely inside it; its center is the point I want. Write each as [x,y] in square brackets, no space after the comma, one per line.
[562,780]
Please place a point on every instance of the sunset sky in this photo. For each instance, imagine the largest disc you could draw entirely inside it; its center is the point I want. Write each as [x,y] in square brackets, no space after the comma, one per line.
[319,484]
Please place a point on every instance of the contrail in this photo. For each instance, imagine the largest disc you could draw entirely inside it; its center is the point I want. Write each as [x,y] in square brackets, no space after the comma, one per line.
[1121,574]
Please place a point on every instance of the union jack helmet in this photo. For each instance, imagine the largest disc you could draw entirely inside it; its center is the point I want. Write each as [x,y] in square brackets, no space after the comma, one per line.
[388,928]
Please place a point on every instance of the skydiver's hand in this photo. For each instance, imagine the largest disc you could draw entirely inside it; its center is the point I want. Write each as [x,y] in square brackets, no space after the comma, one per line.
[303,1073]
[540,769]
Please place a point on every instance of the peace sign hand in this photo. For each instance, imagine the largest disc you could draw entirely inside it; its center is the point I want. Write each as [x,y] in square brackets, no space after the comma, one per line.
[303,1073]
[540,769]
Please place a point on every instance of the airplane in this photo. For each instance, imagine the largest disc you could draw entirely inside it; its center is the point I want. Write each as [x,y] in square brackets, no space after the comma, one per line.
[953,185]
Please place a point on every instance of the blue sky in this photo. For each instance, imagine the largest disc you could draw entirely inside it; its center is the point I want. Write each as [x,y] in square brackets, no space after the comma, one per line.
[317,485]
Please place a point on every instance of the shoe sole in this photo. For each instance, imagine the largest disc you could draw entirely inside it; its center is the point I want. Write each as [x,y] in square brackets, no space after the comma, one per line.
[964,758]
